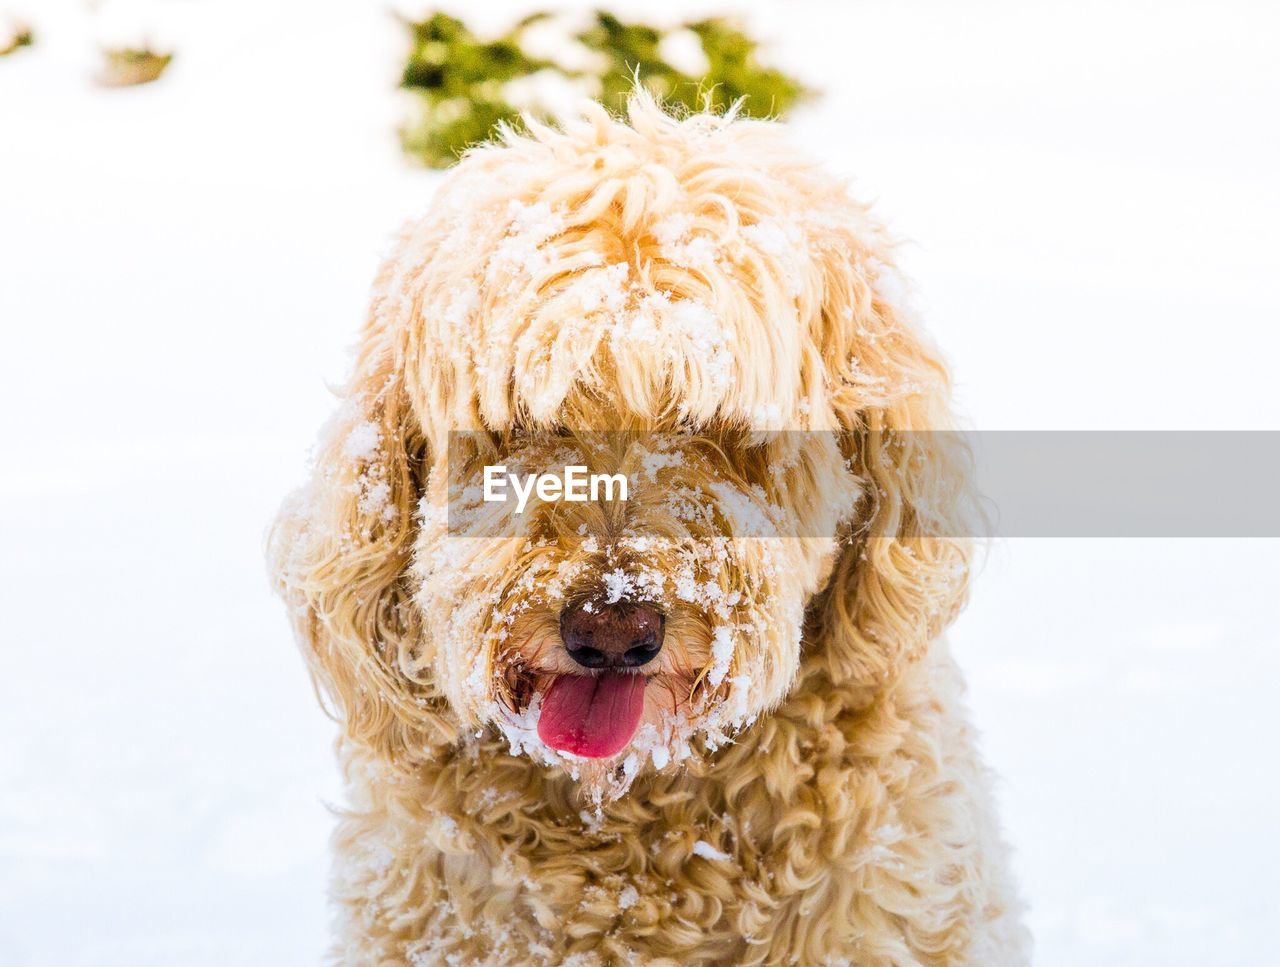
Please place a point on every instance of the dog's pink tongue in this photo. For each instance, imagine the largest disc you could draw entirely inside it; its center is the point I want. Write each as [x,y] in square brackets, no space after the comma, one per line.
[593,717]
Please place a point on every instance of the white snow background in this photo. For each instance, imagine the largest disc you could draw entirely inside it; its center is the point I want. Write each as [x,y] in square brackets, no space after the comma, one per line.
[1091,190]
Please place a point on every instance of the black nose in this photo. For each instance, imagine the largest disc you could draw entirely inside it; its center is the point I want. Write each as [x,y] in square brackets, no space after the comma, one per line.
[622,635]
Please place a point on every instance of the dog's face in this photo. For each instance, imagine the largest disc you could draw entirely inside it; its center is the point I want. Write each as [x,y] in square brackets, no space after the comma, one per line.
[607,635]
[685,304]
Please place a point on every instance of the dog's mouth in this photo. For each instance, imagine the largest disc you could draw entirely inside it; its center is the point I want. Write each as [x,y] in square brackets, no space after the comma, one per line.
[592,716]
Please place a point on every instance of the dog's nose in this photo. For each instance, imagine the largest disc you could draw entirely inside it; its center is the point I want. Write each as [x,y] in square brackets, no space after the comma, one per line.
[623,635]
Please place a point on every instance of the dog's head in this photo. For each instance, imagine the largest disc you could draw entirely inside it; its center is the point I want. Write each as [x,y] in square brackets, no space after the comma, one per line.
[686,305]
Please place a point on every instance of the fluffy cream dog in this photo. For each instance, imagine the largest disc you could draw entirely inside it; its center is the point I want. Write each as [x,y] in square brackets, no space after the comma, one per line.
[647,731]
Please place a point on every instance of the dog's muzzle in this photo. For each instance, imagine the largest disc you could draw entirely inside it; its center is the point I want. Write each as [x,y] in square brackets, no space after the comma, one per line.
[596,713]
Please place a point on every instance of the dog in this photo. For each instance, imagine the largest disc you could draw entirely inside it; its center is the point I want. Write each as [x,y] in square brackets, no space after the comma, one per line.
[717,722]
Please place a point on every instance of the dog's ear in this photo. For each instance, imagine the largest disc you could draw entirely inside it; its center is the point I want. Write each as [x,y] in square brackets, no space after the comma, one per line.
[902,573]
[340,549]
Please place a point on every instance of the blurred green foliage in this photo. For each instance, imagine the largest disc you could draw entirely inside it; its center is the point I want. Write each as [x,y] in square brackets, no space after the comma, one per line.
[465,84]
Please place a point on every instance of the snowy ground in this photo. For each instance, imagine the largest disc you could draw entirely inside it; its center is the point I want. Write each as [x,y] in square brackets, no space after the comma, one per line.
[1092,192]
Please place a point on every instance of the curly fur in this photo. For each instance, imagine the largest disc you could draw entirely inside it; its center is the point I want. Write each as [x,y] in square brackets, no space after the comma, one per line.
[814,797]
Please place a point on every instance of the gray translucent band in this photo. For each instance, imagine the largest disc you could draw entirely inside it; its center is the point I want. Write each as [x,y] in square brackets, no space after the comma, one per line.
[1129,483]
[1026,483]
